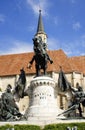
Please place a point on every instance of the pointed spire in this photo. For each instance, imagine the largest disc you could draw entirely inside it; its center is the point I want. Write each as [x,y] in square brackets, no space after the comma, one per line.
[40,28]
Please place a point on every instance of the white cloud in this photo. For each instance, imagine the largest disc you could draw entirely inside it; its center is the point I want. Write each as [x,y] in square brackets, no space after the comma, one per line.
[71,48]
[18,47]
[53,44]
[67,47]
[2,18]
[82,54]
[76,47]
[39,4]
[76,25]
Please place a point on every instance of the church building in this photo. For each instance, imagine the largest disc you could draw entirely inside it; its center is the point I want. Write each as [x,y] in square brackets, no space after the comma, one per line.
[73,67]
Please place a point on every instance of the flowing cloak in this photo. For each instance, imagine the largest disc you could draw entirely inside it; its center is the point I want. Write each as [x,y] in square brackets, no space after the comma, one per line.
[63,83]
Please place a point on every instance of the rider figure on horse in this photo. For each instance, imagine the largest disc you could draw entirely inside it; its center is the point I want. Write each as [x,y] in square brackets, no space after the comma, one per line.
[40,57]
[39,46]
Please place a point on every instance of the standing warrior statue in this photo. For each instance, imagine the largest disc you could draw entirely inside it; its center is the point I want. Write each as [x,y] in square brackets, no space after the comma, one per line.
[78,95]
[40,57]
[20,84]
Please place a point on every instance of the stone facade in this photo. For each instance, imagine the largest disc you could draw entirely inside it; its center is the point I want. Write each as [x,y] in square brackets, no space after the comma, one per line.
[62,98]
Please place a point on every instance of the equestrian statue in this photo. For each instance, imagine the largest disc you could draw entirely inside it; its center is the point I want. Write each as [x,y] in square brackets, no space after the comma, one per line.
[40,56]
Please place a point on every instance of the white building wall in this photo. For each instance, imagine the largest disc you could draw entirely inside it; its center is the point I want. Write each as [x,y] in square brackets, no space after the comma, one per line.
[78,78]
[55,76]
[23,104]
[4,81]
[69,77]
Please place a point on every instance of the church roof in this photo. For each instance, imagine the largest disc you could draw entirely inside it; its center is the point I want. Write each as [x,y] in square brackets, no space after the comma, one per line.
[11,64]
[79,63]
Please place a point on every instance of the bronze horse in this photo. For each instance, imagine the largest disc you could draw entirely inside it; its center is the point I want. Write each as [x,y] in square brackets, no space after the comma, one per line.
[40,57]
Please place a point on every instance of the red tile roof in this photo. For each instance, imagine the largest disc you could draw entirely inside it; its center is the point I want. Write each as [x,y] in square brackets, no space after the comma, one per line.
[79,63]
[11,64]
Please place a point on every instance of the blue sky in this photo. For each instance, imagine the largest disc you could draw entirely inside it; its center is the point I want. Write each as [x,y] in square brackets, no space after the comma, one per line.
[64,23]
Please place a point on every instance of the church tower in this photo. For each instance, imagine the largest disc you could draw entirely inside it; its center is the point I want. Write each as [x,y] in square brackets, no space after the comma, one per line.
[40,29]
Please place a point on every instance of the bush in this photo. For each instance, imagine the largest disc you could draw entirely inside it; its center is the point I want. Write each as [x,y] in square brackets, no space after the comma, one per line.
[5,127]
[61,126]
[80,126]
[26,127]
[20,127]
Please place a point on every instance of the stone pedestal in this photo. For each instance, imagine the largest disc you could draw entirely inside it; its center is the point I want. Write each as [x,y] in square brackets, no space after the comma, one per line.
[43,100]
